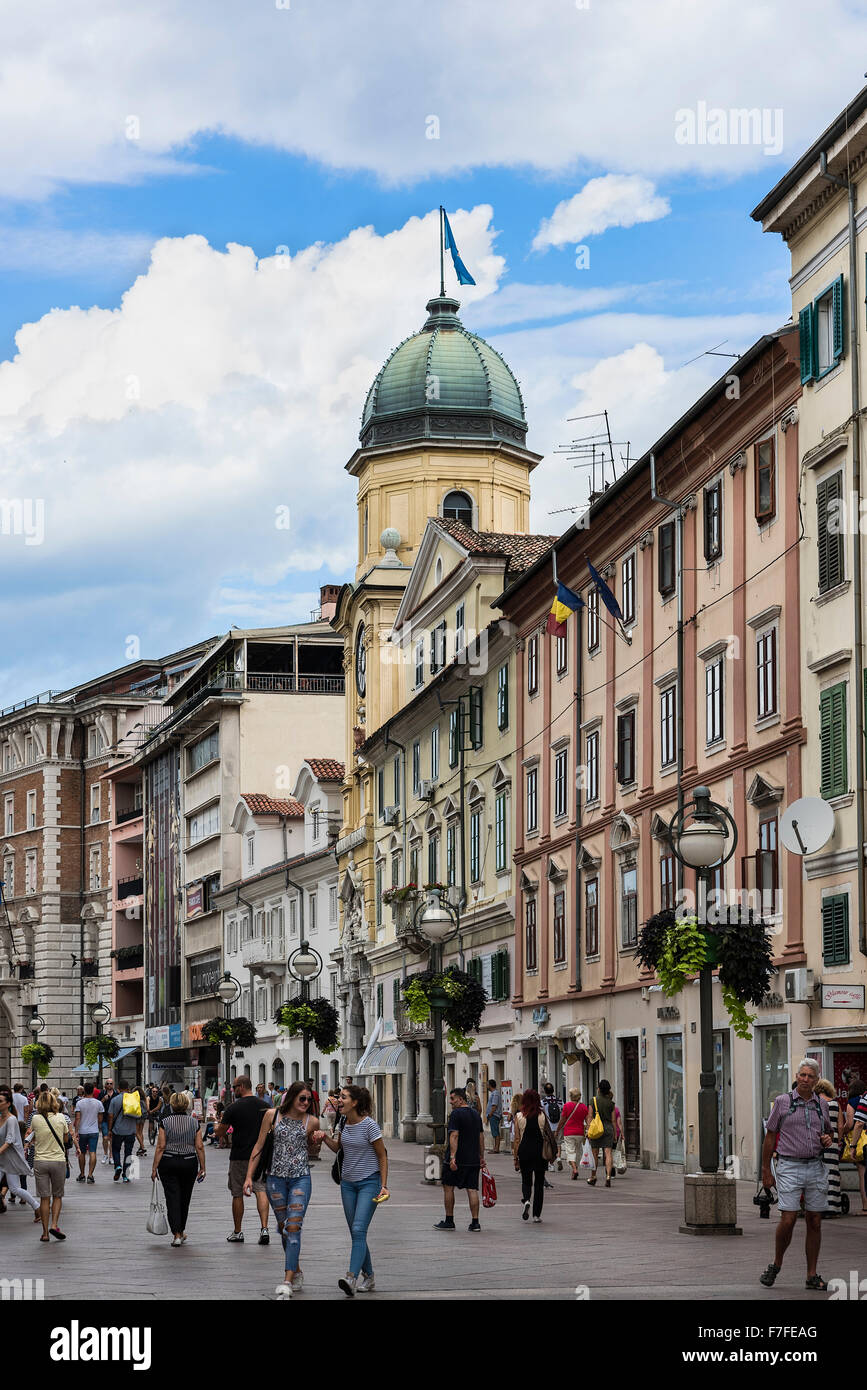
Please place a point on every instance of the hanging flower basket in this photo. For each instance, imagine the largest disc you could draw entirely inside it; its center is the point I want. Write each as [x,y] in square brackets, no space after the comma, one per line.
[461,999]
[238,1032]
[407,894]
[316,1018]
[41,1054]
[104,1046]
[677,948]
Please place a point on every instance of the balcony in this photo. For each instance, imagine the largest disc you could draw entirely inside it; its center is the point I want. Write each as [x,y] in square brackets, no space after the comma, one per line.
[286,684]
[264,955]
[406,1030]
[122,816]
[130,887]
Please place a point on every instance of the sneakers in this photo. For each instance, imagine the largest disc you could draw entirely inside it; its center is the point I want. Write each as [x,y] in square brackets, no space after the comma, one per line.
[537,1220]
[366,1284]
[91,1179]
[177,1241]
[348,1284]
[236,1238]
[126,1179]
[559,1165]
[474,1226]
[446,1225]
[106,1158]
[525,1213]
[80,1178]
[298,1282]
[284,1291]
[117,1174]
[264,1238]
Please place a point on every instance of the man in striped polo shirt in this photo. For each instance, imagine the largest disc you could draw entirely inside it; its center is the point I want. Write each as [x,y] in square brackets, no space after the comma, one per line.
[800,1128]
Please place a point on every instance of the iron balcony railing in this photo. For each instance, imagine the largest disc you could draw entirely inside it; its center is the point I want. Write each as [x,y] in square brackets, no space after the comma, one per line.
[130,887]
[131,814]
[404,1026]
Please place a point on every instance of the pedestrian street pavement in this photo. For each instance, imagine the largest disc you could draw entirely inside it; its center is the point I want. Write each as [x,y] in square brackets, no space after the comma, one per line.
[594,1243]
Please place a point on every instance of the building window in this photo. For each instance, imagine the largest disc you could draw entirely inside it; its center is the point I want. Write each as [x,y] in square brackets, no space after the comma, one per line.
[667,726]
[293,916]
[532,799]
[832,740]
[9,814]
[204,751]
[561,786]
[766,672]
[503,698]
[627,597]
[593,620]
[665,562]
[766,481]
[476,712]
[454,738]
[95,742]
[562,656]
[312,914]
[332,907]
[416,767]
[457,506]
[671,1090]
[380,790]
[437,648]
[821,332]
[7,757]
[419,662]
[29,749]
[435,753]
[205,974]
[829,496]
[592,755]
[459,628]
[591,916]
[95,874]
[531,946]
[377,878]
[251,851]
[204,823]
[501,820]
[95,804]
[532,665]
[395,777]
[629,908]
[31,810]
[713,522]
[9,877]
[30,871]
[413,865]
[395,870]
[666,882]
[316,817]
[714,691]
[626,748]
[835,929]
[475,845]
[433,858]
[451,854]
[559,928]
[768,865]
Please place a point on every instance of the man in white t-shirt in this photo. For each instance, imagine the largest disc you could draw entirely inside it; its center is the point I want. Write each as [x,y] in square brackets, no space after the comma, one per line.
[88,1114]
[21,1103]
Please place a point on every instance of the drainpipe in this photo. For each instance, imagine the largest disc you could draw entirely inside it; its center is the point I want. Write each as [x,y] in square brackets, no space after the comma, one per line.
[405,807]
[678,565]
[579,702]
[849,186]
[82,867]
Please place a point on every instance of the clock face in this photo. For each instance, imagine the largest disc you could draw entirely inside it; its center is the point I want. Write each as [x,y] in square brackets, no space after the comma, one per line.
[360,663]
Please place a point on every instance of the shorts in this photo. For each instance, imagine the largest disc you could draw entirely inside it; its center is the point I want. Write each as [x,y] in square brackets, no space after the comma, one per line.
[571,1147]
[465,1176]
[237,1176]
[494,1122]
[88,1142]
[50,1178]
[797,1175]
[103,1128]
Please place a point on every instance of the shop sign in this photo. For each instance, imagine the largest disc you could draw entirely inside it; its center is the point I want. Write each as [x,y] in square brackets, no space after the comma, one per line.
[195,901]
[842,996]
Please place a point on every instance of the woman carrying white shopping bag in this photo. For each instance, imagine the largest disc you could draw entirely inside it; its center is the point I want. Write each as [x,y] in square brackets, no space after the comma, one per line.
[157,1223]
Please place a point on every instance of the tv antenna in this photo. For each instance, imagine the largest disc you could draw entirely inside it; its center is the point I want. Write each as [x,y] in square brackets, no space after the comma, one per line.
[593,453]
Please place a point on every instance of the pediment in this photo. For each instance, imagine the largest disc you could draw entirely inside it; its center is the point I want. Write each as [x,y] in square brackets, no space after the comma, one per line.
[763,793]
[433,540]
[502,776]
[624,832]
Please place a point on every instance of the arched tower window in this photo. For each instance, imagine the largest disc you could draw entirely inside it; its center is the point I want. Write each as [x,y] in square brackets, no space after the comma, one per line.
[457,506]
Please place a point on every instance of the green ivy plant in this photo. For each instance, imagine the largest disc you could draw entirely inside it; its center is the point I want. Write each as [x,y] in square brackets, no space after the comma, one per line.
[104,1046]
[238,1032]
[682,955]
[463,1012]
[41,1054]
[316,1017]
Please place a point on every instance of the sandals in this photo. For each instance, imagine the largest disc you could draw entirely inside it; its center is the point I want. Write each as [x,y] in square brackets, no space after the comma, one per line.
[591,1182]
[769,1276]
[48,1238]
[816,1281]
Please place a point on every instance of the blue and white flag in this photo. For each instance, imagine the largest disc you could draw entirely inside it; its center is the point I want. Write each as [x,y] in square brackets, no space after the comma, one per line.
[605,593]
[464,276]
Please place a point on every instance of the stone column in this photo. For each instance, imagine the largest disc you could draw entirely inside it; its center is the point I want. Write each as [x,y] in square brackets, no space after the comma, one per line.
[407,1124]
[424,1119]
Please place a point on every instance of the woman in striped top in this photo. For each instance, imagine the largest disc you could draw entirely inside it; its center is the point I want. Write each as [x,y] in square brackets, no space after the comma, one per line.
[179,1160]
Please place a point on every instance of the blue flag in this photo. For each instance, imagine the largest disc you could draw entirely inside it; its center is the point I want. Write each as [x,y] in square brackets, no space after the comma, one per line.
[605,593]
[464,276]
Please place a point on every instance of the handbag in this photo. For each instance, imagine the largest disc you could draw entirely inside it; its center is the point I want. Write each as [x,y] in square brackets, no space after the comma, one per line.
[549,1144]
[266,1157]
[619,1157]
[337,1165]
[847,1155]
[157,1223]
[596,1128]
[489,1189]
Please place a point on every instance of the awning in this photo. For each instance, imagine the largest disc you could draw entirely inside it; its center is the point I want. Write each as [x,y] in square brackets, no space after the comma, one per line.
[383,1060]
[85,1070]
[360,1067]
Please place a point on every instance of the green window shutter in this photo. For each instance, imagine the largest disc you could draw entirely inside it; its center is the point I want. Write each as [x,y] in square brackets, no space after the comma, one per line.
[474,968]
[805,328]
[504,975]
[830,541]
[834,768]
[379,1000]
[838,315]
[835,929]
[476,730]
[395,990]
[454,748]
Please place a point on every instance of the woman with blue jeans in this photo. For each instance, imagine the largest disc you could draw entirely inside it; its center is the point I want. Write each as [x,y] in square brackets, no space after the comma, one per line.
[363,1179]
[288,1177]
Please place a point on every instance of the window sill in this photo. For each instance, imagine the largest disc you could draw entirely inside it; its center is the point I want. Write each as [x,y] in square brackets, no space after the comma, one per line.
[593,805]
[628,788]
[562,818]
[668,770]
[532,834]
[767,722]
[592,960]
[829,595]
[715,746]
[202,840]
[828,374]
[840,802]
[560,965]
[561,675]
[212,762]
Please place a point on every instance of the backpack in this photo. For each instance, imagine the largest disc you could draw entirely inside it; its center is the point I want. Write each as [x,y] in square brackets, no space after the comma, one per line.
[554,1111]
[132,1104]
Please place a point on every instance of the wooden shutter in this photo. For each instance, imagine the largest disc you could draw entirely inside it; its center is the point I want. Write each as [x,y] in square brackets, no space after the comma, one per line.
[835,775]
[835,929]
[838,316]
[829,491]
[476,727]
[474,968]
[805,330]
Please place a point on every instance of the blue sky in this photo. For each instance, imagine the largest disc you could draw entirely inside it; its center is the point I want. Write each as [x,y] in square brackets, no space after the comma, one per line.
[163,395]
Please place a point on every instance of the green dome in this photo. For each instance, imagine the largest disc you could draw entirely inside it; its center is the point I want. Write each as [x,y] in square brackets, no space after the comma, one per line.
[443,382]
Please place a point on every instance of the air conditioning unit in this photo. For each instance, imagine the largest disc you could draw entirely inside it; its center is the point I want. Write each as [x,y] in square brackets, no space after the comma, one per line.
[427,790]
[390,815]
[799,986]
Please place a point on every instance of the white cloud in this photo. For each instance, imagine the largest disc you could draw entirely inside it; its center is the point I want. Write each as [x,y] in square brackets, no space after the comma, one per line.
[112,93]
[616,200]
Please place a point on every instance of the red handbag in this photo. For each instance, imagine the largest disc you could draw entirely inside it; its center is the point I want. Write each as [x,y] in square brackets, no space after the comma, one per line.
[489,1189]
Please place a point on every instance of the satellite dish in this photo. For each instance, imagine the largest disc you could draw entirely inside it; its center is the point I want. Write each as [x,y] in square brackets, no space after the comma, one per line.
[807,825]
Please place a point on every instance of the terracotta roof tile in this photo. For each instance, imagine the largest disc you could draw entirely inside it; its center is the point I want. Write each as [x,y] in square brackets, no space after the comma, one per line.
[326,769]
[259,805]
[520,551]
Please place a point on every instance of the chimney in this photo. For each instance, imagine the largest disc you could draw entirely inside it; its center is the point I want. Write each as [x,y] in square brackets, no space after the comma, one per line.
[328,594]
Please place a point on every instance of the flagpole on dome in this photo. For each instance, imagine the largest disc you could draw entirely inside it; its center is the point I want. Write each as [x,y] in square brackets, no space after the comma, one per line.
[442,250]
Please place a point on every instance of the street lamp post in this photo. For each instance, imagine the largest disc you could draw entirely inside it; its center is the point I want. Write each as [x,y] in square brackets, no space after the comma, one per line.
[704,836]
[305,965]
[437,921]
[36,1024]
[229,990]
[100,1013]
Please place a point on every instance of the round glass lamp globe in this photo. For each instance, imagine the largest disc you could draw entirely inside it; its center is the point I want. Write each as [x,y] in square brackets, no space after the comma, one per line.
[228,991]
[35,1025]
[436,923]
[305,965]
[702,844]
[101,1014]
